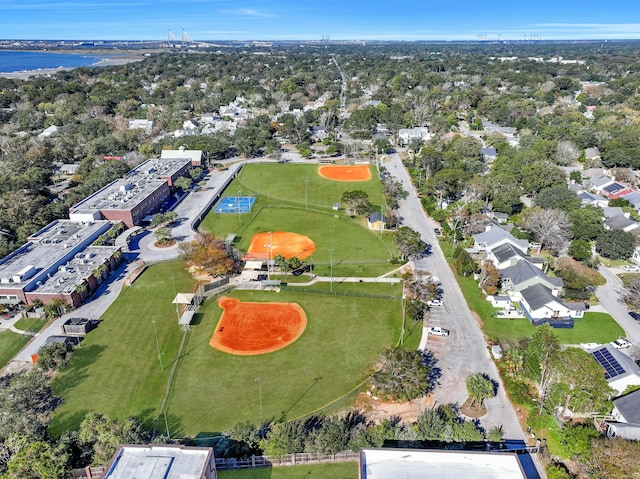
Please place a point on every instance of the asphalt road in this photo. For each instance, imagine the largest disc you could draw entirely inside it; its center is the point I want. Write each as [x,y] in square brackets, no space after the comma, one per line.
[464,351]
[609,298]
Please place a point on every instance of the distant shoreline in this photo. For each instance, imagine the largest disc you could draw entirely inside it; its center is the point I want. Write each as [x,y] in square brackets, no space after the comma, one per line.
[103,61]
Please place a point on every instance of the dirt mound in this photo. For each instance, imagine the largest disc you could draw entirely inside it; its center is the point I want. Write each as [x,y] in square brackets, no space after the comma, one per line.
[345,172]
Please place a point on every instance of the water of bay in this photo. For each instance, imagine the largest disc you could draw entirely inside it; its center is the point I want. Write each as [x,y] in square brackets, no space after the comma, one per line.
[13,61]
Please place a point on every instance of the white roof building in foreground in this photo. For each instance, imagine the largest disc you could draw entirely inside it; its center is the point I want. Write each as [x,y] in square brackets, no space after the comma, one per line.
[423,464]
[162,461]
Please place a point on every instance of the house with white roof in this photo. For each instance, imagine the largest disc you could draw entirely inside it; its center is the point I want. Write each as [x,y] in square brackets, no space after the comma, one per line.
[407,135]
[146,125]
[495,236]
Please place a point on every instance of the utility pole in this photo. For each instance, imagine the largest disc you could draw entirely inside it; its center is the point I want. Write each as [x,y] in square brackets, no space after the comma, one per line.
[155,330]
[175,297]
[259,379]
[306,197]
[331,261]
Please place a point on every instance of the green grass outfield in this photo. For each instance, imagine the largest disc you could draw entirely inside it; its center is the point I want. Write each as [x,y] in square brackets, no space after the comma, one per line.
[116,369]
[337,470]
[347,243]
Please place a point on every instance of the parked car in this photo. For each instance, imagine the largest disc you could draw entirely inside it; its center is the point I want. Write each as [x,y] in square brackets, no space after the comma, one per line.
[437,231]
[631,268]
[621,343]
[438,331]
[435,302]
[635,315]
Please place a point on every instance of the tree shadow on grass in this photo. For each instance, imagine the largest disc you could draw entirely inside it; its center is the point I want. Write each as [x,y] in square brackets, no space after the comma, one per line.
[76,371]
[68,421]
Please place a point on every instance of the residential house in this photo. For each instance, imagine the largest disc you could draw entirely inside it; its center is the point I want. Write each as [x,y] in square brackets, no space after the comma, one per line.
[488,154]
[47,132]
[524,274]
[507,255]
[626,417]
[621,222]
[376,221]
[146,125]
[495,236]
[407,135]
[318,133]
[636,255]
[591,199]
[597,183]
[634,199]
[620,370]
[615,190]
[592,153]
[541,305]
[611,211]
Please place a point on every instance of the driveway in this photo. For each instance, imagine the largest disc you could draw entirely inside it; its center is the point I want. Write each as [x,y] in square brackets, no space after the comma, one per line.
[464,351]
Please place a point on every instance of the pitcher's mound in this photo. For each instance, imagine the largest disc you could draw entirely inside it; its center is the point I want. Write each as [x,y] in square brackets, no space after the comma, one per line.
[287,244]
[345,172]
[257,328]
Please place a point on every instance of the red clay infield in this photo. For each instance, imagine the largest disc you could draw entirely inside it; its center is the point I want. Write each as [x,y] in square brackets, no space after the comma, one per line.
[257,328]
[345,172]
[287,244]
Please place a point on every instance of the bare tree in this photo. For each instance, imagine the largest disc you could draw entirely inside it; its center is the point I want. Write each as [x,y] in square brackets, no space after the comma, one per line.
[551,228]
[567,152]
[631,293]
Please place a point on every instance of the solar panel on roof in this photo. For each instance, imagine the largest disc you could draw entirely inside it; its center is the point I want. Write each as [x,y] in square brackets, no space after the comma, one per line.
[611,366]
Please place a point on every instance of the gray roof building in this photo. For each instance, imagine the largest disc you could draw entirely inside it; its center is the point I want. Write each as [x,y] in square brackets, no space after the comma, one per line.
[611,211]
[495,236]
[629,407]
[621,222]
[633,198]
[524,274]
[600,181]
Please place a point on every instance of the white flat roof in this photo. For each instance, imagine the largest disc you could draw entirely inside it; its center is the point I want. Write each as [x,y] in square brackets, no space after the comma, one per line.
[152,462]
[419,464]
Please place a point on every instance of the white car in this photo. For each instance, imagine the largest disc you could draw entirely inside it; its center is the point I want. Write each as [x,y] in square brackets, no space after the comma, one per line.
[621,343]
[435,302]
[630,268]
[438,331]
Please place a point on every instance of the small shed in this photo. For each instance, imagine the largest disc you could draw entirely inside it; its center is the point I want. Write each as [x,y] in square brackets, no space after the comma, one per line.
[376,221]
[77,326]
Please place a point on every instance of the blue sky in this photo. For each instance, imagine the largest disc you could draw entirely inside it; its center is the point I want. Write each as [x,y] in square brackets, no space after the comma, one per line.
[311,20]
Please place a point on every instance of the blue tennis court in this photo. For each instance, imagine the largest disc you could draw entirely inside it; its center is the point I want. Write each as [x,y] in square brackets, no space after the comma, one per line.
[235,204]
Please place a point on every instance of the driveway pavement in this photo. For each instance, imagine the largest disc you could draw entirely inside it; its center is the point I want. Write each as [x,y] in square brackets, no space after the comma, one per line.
[609,296]
[464,351]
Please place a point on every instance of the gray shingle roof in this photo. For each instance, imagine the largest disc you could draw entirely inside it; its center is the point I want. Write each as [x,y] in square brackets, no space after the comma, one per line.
[523,271]
[538,295]
[629,406]
[600,180]
[611,211]
[506,251]
[633,198]
[619,222]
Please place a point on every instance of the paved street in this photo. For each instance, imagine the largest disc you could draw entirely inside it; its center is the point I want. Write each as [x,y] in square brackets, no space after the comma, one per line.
[465,351]
[609,298]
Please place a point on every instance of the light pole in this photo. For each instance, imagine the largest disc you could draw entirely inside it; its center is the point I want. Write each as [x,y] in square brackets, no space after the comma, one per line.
[155,330]
[403,316]
[259,379]
[269,247]
[306,197]
[331,261]
[175,296]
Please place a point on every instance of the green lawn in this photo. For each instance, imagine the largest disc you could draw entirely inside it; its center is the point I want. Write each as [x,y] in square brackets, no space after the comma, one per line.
[116,370]
[341,241]
[593,328]
[338,470]
[31,324]
[10,344]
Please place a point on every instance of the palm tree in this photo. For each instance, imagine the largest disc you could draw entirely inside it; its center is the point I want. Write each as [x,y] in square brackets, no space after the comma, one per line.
[479,388]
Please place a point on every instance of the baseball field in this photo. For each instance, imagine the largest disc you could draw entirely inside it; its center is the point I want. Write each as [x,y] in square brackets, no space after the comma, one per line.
[199,384]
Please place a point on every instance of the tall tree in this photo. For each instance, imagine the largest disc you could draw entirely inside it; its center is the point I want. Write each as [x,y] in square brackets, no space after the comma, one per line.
[408,242]
[479,388]
[356,201]
[208,253]
[551,228]
[404,375]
